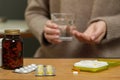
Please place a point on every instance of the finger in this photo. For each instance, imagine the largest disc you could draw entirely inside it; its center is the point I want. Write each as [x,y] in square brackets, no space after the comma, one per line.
[97,41]
[56,41]
[74,32]
[50,37]
[51,30]
[51,25]
[82,37]
[86,38]
[100,30]
[97,34]
[90,30]
[97,37]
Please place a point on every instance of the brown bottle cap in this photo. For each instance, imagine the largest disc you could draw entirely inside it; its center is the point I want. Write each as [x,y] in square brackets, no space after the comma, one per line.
[12,32]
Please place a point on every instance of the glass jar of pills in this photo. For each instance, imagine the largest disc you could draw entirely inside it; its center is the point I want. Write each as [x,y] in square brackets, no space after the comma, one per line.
[12,49]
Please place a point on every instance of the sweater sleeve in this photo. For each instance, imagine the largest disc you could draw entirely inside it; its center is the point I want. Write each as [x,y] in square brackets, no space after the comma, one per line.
[113,26]
[36,15]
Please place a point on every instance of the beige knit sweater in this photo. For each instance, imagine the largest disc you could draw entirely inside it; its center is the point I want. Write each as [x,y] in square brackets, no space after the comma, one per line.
[38,12]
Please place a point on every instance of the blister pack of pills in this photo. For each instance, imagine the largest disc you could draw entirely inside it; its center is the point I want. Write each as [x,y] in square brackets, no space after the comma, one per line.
[26,69]
[45,70]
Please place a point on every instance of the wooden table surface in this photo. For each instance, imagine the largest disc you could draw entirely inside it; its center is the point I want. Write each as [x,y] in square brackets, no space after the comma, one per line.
[63,71]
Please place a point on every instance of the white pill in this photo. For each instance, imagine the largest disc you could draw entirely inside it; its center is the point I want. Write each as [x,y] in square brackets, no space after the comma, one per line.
[25,67]
[17,70]
[25,71]
[29,70]
[33,69]
[33,64]
[21,69]
[75,72]
[29,66]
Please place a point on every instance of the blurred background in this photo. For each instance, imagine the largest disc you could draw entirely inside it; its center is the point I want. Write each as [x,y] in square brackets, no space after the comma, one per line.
[14,10]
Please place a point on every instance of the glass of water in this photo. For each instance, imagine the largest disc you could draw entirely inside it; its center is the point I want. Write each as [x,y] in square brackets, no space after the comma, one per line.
[65,22]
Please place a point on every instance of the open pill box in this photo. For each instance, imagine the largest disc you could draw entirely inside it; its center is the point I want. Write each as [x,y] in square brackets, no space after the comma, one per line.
[45,70]
[90,65]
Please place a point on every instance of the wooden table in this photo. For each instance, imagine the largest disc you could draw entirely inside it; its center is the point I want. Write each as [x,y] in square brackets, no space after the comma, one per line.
[63,71]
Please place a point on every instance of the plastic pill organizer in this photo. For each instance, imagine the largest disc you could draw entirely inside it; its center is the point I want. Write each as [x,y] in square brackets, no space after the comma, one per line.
[40,70]
[90,65]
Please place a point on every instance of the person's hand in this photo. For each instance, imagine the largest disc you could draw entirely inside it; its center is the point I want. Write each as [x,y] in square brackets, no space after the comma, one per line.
[52,32]
[93,34]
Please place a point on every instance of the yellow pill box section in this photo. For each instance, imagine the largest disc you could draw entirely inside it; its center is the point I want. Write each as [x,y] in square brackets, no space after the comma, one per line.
[40,70]
[90,65]
[49,70]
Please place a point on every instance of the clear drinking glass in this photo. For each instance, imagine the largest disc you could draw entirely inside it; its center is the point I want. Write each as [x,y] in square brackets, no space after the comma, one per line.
[65,21]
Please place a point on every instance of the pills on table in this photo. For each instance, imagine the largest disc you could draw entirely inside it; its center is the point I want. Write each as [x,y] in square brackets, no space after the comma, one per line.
[75,72]
[17,70]
[26,69]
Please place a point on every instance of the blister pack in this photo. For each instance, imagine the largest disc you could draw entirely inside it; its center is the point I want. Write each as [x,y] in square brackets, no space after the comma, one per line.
[45,70]
[26,69]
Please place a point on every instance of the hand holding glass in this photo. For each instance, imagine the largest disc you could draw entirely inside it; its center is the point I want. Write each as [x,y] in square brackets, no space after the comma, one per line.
[65,22]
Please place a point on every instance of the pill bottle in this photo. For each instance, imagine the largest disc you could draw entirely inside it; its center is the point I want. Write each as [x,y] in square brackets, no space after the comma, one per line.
[12,49]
